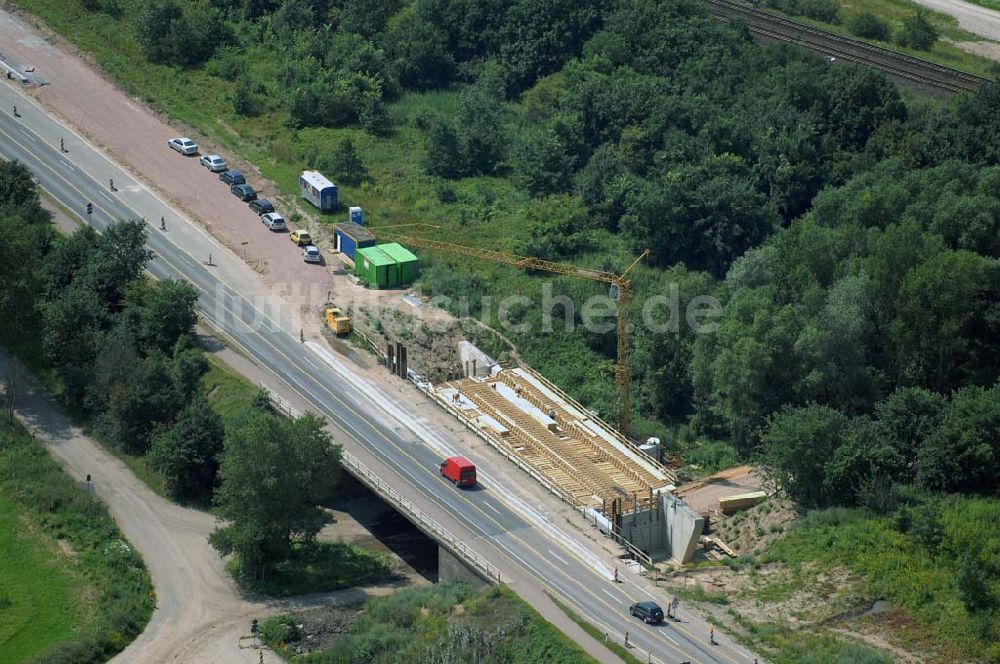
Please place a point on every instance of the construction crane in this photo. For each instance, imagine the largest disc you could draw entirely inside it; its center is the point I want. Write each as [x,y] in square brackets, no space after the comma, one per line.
[620,286]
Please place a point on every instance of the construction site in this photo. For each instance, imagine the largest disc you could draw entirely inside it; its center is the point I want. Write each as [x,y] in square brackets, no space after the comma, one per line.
[620,487]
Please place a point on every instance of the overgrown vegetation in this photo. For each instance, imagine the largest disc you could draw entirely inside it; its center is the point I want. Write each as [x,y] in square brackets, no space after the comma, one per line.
[313,566]
[81,605]
[444,622]
[935,558]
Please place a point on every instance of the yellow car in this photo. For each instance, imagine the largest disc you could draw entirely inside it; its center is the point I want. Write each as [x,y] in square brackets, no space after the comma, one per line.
[300,238]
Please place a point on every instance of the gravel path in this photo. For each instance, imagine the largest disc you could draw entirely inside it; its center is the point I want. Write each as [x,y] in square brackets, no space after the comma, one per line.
[977,20]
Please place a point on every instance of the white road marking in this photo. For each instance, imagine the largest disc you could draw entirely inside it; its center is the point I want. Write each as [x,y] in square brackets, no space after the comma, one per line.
[107,197]
[67,164]
[493,508]
[558,557]
[29,136]
[605,591]
[667,637]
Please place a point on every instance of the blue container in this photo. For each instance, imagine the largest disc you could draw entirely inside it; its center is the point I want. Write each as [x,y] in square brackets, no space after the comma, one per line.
[356,216]
[348,238]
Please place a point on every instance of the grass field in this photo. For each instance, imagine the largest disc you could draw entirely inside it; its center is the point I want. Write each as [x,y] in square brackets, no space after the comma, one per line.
[71,588]
[43,597]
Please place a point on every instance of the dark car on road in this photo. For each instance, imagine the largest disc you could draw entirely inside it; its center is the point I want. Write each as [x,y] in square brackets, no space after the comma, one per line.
[232,177]
[649,612]
[261,206]
[243,191]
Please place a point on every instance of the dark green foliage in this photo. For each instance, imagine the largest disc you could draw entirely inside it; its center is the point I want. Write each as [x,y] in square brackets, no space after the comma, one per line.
[17,186]
[821,458]
[278,630]
[917,32]
[963,453]
[704,216]
[171,35]
[419,52]
[444,154]
[247,97]
[972,583]
[345,163]
[123,593]
[869,26]
[273,474]
[797,445]
[164,312]
[186,453]
[26,232]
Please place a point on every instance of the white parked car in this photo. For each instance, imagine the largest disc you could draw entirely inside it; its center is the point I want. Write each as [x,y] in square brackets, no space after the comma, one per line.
[214,163]
[310,254]
[183,145]
[273,220]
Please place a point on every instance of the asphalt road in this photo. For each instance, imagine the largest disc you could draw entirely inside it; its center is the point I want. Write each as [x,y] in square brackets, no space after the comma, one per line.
[507,535]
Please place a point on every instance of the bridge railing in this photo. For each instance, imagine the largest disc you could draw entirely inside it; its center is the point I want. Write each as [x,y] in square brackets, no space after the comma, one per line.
[413,513]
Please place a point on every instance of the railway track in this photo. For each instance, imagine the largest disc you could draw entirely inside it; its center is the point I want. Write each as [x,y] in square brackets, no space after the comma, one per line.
[900,65]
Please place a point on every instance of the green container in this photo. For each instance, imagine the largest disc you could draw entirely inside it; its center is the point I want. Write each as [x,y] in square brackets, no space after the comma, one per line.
[375,267]
[407,264]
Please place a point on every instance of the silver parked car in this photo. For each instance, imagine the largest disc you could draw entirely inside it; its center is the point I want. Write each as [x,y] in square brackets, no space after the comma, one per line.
[310,254]
[214,163]
[183,145]
[273,221]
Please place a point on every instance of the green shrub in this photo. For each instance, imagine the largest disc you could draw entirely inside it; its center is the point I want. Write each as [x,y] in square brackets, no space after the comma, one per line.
[279,630]
[917,32]
[869,26]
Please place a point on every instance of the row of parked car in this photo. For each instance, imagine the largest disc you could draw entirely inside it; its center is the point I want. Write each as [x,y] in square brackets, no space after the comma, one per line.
[245,192]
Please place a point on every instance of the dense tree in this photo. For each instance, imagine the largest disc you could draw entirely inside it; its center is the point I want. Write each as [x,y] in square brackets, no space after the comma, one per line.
[917,32]
[273,474]
[797,445]
[186,453]
[963,453]
[148,396]
[869,26]
[419,52]
[947,322]
[169,35]
[703,216]
[17,186]
[345,163]
[444,153]
[165,311]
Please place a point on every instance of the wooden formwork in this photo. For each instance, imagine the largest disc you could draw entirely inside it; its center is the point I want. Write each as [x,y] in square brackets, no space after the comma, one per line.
[580,463]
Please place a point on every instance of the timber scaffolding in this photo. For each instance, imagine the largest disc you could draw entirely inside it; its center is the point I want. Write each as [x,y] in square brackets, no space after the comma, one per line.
[533,421]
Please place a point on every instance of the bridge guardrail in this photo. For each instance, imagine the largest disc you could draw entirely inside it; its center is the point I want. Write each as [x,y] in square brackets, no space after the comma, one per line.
[370,479]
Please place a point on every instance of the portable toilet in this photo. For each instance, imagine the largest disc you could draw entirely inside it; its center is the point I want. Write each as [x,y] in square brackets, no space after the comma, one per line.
[375,267]
[406,263]
[319,191]
[356,215]
[348,238]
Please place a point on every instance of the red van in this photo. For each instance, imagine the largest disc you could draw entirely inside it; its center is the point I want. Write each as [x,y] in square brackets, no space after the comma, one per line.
[459,470]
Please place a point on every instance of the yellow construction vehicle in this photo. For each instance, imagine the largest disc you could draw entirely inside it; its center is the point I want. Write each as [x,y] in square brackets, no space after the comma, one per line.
[338,322]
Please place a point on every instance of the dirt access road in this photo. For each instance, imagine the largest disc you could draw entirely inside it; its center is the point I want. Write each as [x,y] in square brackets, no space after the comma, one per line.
[200,613]
[977,20]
